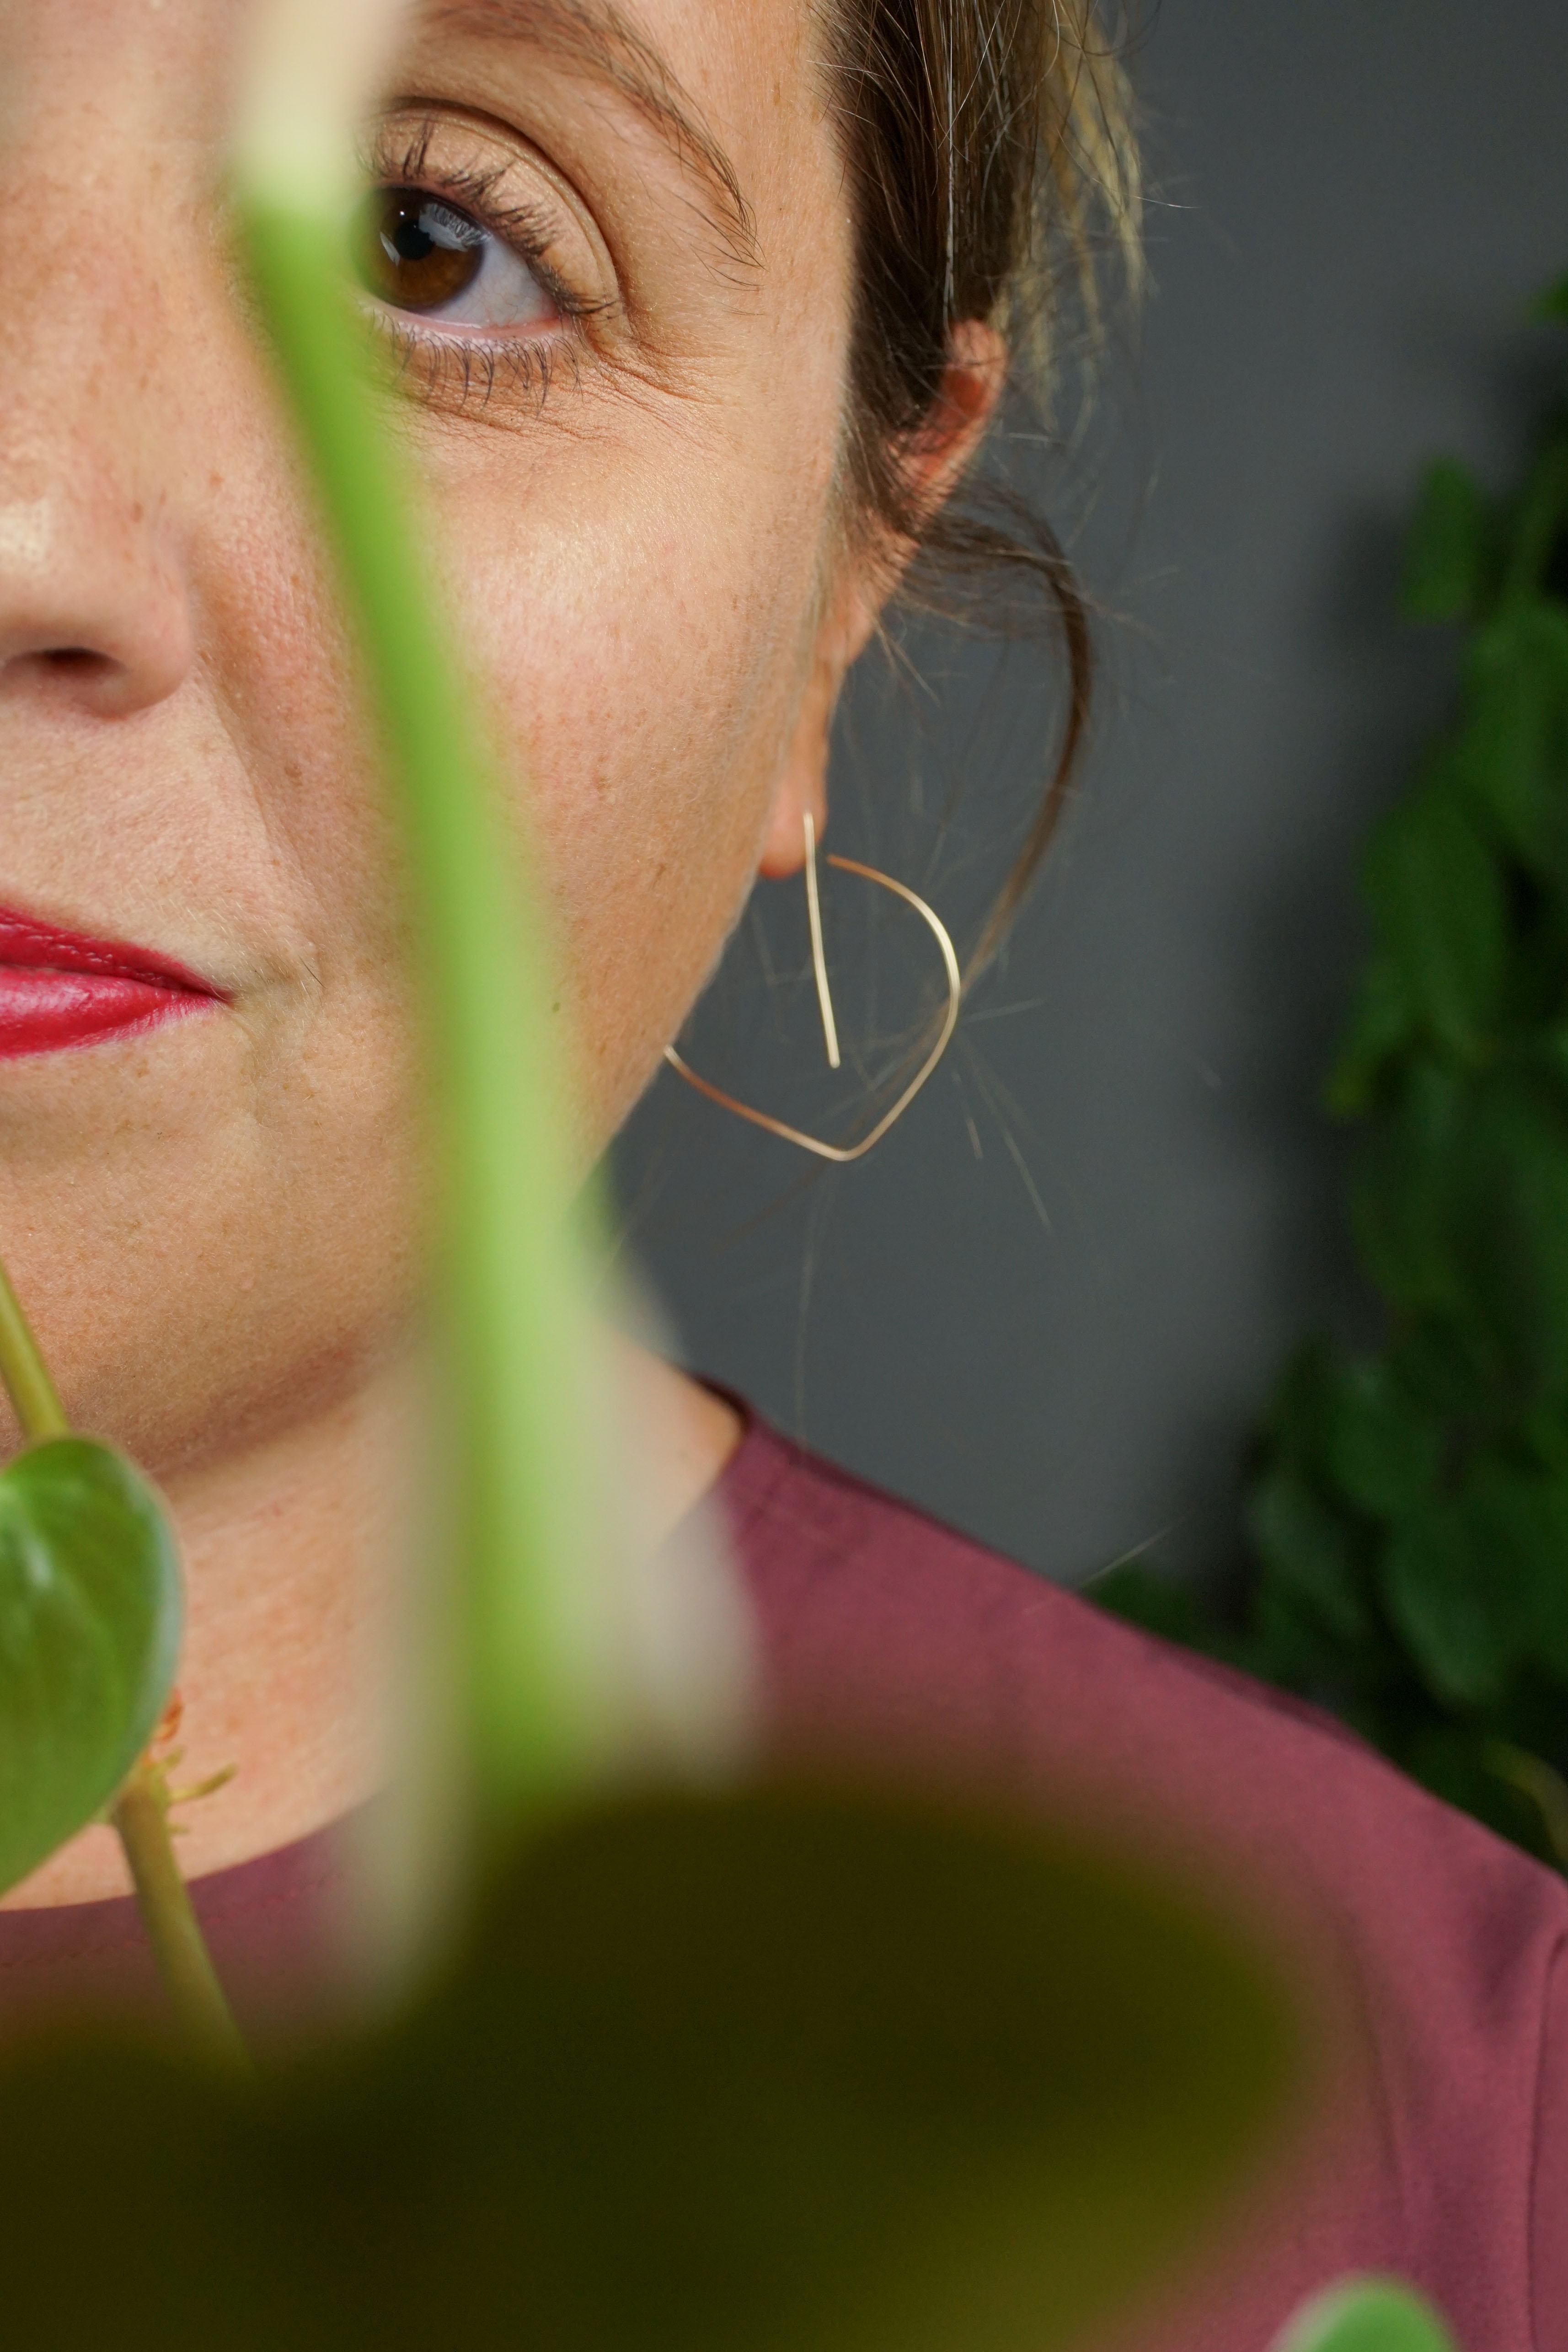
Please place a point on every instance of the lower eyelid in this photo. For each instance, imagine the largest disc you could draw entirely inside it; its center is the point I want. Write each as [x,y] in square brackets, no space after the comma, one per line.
[467,375]
[431,347]
[462,331]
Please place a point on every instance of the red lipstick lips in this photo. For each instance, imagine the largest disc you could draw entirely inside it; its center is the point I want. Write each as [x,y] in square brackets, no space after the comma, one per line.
[59,989]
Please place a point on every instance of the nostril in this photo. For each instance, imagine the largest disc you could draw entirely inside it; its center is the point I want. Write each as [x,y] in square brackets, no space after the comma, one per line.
[77,661]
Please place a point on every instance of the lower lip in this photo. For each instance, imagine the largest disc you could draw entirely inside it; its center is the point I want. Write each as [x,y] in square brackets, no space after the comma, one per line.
[44,1011]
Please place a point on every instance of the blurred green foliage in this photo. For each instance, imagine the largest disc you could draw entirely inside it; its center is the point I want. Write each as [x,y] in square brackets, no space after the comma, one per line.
[779,2068]
[1410,1509]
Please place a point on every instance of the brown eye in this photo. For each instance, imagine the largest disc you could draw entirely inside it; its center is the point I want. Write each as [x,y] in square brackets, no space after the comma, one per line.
[428,259]
[416,253]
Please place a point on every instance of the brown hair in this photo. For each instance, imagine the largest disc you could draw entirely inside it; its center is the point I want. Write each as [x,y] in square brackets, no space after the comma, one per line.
[993,174]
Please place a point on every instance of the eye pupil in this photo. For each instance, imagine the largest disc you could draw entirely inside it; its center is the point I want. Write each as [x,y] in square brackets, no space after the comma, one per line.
[417,253]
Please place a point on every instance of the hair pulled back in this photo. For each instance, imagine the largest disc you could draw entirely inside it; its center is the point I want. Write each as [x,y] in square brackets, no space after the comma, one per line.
[994,176]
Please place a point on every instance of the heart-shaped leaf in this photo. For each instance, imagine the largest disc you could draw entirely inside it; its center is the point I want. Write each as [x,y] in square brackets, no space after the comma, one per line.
[785,2070]
[90,1614]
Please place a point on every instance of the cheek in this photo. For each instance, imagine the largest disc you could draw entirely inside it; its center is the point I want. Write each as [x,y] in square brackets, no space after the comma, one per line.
[646,675]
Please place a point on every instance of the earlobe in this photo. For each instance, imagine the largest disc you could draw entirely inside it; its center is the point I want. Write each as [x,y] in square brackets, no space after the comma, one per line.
[802,787]
[972,385]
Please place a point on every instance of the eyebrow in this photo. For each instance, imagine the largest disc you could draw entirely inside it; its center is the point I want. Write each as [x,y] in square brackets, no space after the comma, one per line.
[595,35]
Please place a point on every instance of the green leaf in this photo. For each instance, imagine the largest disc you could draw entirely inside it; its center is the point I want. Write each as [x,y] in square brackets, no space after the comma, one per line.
[1477,1584]
[1511,754]
[91,1613]
[1299,1411]
[1367,2316]
[1461,1208]
[1436,897]
[1522,1527]
[1552,304]
[1458,1592]
[1507,1228]
[1458,1760]
[1435,1363]
[1380,1448]
[1533,566]
[788,2069]
[1401,1197]
[1381,1025]
[1448,555]
[1313,1560]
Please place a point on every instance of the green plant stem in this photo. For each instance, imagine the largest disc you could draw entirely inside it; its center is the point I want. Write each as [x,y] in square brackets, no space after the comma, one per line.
[24,1373]
[142,1817]
[534,1710]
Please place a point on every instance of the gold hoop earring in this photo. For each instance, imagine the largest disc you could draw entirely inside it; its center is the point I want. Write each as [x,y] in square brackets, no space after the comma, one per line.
[842,1154]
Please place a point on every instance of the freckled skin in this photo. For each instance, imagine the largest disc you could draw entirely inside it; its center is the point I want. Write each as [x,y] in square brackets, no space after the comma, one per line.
[216,1226]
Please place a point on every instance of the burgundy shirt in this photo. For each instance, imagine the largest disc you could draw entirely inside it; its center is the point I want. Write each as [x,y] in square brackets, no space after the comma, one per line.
[1438,2150]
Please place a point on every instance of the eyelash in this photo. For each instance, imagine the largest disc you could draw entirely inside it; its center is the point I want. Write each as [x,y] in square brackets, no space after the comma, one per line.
[465,369]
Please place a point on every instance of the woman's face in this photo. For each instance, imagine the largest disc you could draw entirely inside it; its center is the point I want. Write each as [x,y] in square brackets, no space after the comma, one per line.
[614,277]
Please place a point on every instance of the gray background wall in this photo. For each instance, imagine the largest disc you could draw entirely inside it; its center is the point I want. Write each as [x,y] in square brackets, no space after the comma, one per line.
[1050,1306]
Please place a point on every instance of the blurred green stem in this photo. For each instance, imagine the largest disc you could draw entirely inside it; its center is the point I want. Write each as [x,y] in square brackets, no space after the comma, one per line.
[185,1963]
[533,1710]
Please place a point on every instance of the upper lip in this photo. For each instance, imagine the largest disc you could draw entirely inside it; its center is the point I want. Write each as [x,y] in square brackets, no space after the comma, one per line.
[24,940]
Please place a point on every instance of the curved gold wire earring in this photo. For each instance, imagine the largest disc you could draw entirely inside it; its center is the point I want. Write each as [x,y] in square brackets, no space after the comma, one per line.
[842,1154]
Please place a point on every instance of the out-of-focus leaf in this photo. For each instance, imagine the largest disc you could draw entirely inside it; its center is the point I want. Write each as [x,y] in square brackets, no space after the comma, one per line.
[91,1613]
[1448,555]
[1401,1201]
[1460,1595]
[1511,755]
[1460,1207]
[1381,1022]
[1436,897]
[1367,2316]
[1437,1363]
[780,2069]
[1313,1555]
[1521,1523]
[1460,1763]
[1381,1449]
[1508,1227]
[1552,304]
[1298,1417]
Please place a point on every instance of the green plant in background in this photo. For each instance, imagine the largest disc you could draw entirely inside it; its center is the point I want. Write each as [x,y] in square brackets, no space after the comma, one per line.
[786,2066]
[1409,1508]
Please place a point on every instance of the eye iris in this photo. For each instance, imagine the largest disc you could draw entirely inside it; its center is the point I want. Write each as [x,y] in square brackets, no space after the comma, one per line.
[417,253]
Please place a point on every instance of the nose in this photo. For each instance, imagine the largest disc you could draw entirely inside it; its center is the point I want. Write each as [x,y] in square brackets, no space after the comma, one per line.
[93,614]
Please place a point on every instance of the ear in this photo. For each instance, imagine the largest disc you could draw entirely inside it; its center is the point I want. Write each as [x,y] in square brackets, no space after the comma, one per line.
[971,386]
